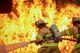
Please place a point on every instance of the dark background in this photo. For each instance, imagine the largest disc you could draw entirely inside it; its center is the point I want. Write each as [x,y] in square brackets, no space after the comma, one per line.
[6,5]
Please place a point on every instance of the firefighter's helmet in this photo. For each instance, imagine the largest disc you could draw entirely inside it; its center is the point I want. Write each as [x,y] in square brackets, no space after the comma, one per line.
[76,21]
[40,23]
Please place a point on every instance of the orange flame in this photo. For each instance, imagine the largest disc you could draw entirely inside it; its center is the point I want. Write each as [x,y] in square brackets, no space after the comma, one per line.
[22,28]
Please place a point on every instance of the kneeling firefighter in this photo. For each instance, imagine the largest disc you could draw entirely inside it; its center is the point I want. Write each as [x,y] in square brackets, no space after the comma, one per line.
[47,37]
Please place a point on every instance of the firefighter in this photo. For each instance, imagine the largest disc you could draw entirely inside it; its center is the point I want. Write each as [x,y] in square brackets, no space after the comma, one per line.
[75,32]
[76,23]
[47,35]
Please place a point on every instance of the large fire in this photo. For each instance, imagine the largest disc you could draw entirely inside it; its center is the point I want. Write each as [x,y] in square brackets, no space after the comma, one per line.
[19,26]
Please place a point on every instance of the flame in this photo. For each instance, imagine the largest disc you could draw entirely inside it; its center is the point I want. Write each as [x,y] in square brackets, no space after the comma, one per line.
[14,29]
[66,46]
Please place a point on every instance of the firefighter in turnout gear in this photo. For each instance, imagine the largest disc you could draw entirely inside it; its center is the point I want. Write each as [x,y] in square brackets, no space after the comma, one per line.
[74,34]
[76,23]
[47,37]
